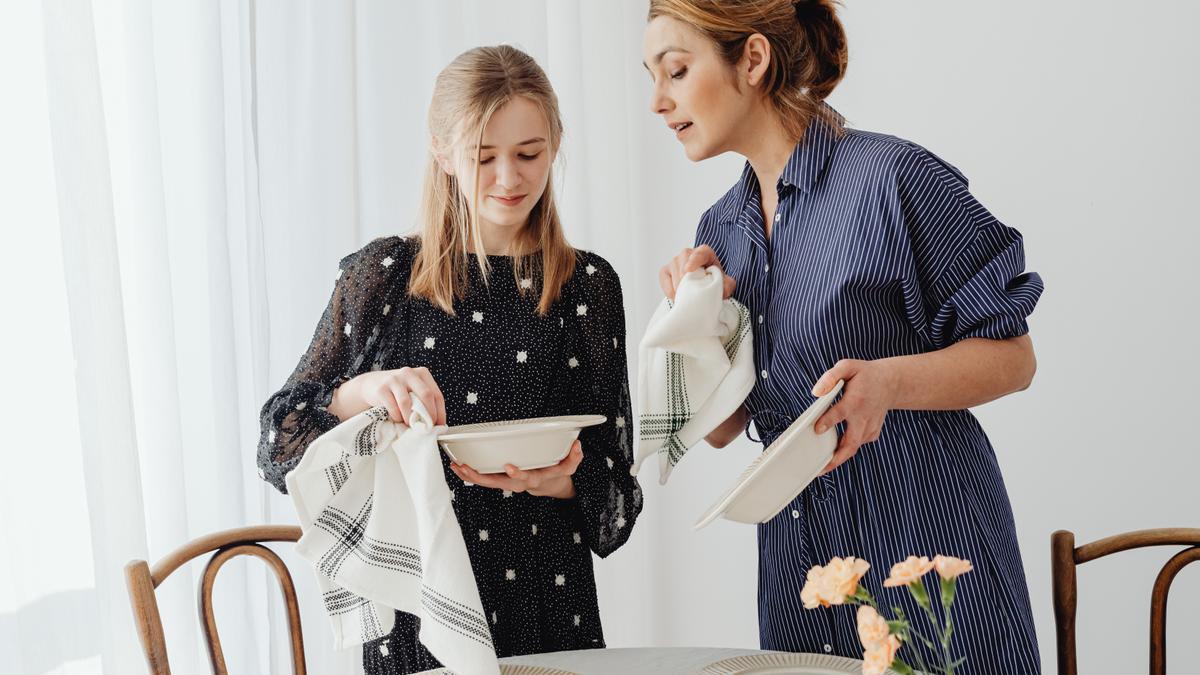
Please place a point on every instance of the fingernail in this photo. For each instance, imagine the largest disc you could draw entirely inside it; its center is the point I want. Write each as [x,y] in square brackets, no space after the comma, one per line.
[820,428]
[816,391]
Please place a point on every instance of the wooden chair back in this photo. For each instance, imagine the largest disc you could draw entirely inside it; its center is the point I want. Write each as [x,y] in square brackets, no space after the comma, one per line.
[1065,557]
[141,580]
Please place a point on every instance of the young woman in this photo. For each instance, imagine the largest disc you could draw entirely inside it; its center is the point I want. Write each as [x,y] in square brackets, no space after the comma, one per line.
[487,315]
[862,257]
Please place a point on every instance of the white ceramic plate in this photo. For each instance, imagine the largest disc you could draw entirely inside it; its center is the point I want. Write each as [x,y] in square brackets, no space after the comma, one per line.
[527,444]
[795,664]
[781,471]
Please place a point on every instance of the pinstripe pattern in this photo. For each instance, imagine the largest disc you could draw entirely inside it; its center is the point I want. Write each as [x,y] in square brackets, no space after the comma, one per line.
[879,250]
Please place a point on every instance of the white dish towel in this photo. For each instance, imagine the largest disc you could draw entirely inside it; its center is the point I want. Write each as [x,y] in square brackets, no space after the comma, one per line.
[697,367]
[379,528]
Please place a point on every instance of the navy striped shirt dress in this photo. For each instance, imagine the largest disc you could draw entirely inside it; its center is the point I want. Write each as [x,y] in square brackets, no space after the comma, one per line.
[879,250]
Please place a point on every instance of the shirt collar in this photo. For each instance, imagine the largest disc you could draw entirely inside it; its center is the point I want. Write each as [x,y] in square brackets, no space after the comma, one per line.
[811,154]
[803,167]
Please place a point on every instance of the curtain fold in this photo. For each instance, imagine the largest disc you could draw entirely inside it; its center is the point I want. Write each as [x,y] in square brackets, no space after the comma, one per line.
[213,161]
[109,457]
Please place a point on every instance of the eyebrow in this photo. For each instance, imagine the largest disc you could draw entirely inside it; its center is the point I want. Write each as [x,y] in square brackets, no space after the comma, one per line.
[659,56]
[531,141]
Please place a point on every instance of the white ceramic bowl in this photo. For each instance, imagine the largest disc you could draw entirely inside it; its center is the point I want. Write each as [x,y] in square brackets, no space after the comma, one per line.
[527,444]
[781,471]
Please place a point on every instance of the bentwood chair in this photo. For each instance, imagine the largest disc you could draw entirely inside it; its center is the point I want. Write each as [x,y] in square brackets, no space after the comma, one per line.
[142,580]
[1065,557]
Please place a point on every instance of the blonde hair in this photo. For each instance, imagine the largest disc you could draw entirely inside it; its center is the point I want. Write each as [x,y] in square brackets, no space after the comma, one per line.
[808,48]
[465,96]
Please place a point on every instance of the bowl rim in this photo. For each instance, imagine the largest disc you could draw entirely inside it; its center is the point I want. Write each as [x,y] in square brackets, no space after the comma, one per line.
[759,464]
[502,428]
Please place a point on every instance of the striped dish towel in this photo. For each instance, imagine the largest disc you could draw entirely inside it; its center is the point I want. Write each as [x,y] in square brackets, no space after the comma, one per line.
[380,530]
[696,368]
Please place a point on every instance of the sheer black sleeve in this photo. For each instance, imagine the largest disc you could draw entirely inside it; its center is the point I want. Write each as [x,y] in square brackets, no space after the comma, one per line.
[608,497]
[366,298]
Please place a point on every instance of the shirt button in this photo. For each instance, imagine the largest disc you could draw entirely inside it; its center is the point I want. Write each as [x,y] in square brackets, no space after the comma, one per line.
[795,513]
[828,648]
[764,374]
[777,216]
[760,318]
[767,267]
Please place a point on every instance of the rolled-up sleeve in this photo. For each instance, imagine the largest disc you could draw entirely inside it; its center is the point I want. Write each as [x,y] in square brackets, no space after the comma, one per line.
[967,274]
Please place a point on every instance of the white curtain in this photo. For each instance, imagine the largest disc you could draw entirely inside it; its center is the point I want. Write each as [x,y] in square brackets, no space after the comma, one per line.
[149,118]
[207,165]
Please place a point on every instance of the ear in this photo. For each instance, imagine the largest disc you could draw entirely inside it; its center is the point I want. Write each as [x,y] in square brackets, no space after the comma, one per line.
[439,154]
[756,58]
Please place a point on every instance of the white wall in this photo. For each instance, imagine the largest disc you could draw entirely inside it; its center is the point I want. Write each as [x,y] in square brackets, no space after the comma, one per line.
[1075,122]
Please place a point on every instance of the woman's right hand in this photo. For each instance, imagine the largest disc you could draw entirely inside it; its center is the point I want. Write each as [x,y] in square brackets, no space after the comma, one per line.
[690,260]
[391,389]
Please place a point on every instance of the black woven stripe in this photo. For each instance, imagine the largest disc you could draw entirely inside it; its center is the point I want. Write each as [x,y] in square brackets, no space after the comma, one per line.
[447,618]
[352,539]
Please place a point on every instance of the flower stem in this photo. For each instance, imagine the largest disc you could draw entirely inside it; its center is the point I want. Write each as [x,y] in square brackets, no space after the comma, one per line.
[910,632]
[948,590]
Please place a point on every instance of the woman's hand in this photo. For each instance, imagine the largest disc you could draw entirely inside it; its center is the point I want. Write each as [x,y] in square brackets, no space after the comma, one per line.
[552,481]
[968,373]
[392,389]
[867,397]
[690,260]
[730,429]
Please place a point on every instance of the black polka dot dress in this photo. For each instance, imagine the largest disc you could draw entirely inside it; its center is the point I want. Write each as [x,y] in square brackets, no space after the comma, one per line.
[495,359]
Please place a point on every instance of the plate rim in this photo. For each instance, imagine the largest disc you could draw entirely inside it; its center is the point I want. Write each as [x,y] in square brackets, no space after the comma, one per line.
[806,419]
[728,666]
[522,426]
[509,669]
[522,669]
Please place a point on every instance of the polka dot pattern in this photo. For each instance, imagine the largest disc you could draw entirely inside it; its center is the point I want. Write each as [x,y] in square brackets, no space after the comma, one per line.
[494,359]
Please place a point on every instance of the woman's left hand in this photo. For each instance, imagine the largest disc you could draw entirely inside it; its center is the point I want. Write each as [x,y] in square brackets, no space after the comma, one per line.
[866,398]
[552,481]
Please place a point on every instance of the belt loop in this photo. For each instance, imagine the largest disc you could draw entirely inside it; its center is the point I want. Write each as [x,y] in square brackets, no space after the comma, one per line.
[749,421]
[823,489]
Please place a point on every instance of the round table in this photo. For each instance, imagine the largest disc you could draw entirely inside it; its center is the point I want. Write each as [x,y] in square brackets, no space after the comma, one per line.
[634,661]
